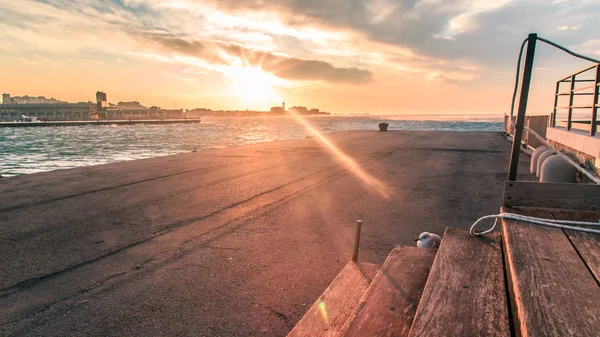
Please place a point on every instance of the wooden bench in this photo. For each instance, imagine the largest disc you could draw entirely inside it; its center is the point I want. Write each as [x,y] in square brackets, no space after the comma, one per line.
[553,273]
[389,305]
[386,307]
[527,280]
[328,314]
[465,294]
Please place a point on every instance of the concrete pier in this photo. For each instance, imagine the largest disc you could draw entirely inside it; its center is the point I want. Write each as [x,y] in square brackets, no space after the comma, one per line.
[230,242]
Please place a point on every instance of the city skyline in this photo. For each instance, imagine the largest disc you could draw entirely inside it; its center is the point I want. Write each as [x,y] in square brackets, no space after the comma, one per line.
[102,102]
[376,56]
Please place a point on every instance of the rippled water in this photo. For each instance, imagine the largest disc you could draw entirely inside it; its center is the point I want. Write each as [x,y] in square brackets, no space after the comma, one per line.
[39,149]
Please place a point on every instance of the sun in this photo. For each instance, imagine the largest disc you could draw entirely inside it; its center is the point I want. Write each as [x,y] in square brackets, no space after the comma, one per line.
[254,87]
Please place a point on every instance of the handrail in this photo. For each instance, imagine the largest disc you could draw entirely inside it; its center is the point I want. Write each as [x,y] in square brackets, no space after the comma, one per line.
[579,72]
[530,41]
[586,80]
[573,91]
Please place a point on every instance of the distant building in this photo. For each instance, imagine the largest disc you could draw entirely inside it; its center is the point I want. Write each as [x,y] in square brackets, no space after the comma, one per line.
[6,99]
[100,96]
[133,105]
[47,111]
[278,109]
[198,112]
[101,101]
[299,110]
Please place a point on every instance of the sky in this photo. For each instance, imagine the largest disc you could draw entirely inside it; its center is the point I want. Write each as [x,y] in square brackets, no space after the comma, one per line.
[342,56]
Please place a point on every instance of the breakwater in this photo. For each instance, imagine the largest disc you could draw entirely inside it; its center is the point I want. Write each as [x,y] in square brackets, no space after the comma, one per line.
[97,122]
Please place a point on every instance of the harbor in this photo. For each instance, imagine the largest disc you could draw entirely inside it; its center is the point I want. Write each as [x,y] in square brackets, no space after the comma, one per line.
[234,241]
[300,168]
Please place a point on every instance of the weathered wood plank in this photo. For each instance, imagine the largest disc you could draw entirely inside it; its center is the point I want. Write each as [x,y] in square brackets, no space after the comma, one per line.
[587,244]
[339,302]
[551,195]
[552,292]
[465,294]
[389,305]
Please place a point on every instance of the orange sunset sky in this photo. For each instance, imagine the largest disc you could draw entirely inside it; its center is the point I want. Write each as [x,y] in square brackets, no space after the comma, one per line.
[343,56]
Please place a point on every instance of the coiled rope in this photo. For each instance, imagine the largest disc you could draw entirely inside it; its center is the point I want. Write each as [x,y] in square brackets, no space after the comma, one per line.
[562,224]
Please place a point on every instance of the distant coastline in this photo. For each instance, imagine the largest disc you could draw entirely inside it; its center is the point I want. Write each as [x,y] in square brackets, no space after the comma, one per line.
[25,108]
[97,122]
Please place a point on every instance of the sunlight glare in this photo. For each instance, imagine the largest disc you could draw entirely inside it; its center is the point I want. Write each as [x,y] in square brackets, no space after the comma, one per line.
[253,86]
[323,311]
[350,163]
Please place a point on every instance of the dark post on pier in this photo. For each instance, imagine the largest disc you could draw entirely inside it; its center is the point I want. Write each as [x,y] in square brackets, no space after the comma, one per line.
[356,241]
[516,148]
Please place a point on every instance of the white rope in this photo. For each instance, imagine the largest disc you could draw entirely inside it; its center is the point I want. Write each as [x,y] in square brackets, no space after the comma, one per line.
[562,224]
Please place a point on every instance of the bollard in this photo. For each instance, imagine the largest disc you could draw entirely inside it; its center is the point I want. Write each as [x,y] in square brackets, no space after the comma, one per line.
[356,241]
[534,158]
[557,170]
[545,155]
[383,126]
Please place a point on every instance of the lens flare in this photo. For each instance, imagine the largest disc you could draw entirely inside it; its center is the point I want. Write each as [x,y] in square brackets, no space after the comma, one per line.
[348,162]
[323,311]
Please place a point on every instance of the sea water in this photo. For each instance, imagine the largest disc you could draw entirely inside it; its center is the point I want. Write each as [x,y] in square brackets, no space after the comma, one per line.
[38,149]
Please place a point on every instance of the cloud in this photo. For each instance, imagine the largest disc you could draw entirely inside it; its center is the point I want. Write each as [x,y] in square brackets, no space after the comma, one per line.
[290,68]
[482,31]
[347,41]
[591,47]
[566,27]
[380,10]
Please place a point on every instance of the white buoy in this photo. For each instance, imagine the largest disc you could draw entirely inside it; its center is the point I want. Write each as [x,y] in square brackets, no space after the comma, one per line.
[557,170]
[545,155]
[534,158]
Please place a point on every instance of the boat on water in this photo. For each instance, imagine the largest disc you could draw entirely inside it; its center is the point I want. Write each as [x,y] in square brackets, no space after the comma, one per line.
[28,119]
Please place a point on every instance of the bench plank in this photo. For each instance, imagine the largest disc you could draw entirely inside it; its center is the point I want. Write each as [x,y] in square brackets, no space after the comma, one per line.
[587,244]
[465,294]
[552,291]
[340,298]
[551,195]
[389,305]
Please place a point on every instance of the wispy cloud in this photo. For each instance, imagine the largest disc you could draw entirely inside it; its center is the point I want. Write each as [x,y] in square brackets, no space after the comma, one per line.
[382,43]
[220,53]
[566,27]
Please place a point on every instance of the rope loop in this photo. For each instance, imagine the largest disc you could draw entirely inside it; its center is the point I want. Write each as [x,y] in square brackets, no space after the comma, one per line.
[562,224]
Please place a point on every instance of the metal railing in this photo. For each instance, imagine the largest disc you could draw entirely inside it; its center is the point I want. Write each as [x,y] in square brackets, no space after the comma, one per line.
[576,89]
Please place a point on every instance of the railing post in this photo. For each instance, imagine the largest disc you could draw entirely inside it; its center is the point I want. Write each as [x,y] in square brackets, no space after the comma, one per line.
[571,98]
[553,121]
[516,148]
[595,100]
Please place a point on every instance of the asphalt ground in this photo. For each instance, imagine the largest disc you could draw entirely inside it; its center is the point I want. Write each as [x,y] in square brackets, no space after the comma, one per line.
[228,242]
